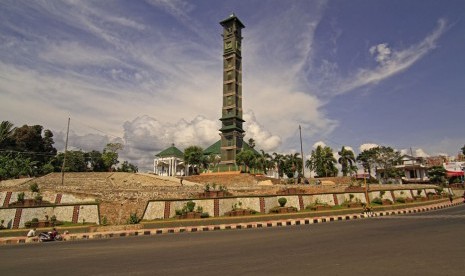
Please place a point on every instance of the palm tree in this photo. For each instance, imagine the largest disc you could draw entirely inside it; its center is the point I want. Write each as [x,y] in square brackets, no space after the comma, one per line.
[322,162]
[6,130]
[278,160]
[264,161]
[346,159]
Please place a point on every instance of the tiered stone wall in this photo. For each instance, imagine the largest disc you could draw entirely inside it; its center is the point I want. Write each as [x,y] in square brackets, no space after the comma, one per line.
[63,207]
[164,209]
[10,197]
[17,217]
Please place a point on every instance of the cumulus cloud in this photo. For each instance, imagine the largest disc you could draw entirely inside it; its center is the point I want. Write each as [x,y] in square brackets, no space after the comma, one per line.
[381,52]
[263,138]
[319,143]
[367,146]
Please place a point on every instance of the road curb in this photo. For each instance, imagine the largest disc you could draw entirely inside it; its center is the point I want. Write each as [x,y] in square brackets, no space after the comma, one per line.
[233,226]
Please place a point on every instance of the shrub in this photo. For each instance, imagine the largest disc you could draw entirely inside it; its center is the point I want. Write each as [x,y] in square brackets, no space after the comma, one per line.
[27,224]
[178,212]
[38,197]
[133,219]
[205,215]
[190,206]
[34,188]
[20,197]
[377,200]
[274,209]
[351,196]
[282,201]
[400,200]
[199,209]
[104,221]
[34,220]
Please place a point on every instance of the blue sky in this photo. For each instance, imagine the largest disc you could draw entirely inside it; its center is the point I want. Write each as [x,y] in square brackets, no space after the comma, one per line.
[148,73]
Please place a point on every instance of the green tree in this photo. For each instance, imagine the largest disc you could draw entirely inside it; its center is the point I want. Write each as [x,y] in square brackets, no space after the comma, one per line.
[322,162]
[193,156]
[367,158]
[386,160]
[110,155]
[264,161]
[127,167]
[16,165]
[29,142]
[437,174]
[278,161]
[346,159]
[292,162]
[246,158]
[75,161]
[6,132]
[95,162]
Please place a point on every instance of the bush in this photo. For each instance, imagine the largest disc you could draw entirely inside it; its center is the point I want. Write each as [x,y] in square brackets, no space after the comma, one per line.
[282,201]
[20,197]
[38,197]
[205,215]
[53,218]
[190,206]
[351,196]
[34,188]
[377,200]
[400,200]
[104,221]
[133,219]
[34,220]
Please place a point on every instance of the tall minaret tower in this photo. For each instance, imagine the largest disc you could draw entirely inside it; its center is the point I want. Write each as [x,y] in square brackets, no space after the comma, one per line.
[231,130]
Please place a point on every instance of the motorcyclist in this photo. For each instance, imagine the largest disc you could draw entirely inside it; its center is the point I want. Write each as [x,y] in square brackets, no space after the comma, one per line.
[53,234]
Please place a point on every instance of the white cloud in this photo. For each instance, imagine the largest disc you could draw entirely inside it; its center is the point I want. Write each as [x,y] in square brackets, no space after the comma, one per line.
[381,52]
[391,61]
[319,143]
[367,146]
[263,138]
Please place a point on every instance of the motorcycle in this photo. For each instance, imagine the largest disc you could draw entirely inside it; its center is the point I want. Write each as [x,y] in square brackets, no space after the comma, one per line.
[49,236]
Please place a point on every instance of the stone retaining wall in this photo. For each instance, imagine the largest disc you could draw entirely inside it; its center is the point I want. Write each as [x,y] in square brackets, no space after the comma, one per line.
[164,209]
[17,217]
[10,197]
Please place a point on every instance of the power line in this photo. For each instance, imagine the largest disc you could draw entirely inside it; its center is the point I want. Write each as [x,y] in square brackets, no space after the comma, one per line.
[28,152]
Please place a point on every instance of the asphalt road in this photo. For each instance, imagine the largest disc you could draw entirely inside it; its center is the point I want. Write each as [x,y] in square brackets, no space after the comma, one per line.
[429,243]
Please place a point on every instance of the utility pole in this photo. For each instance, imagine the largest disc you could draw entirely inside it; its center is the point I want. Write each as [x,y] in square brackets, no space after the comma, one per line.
[413,164]
[302,152]
[64,156]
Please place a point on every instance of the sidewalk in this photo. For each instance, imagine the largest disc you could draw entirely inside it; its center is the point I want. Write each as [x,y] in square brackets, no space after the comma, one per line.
[241,225]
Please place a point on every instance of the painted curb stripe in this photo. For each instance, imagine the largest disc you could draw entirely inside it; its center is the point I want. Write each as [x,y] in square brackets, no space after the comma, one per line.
[206,228]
